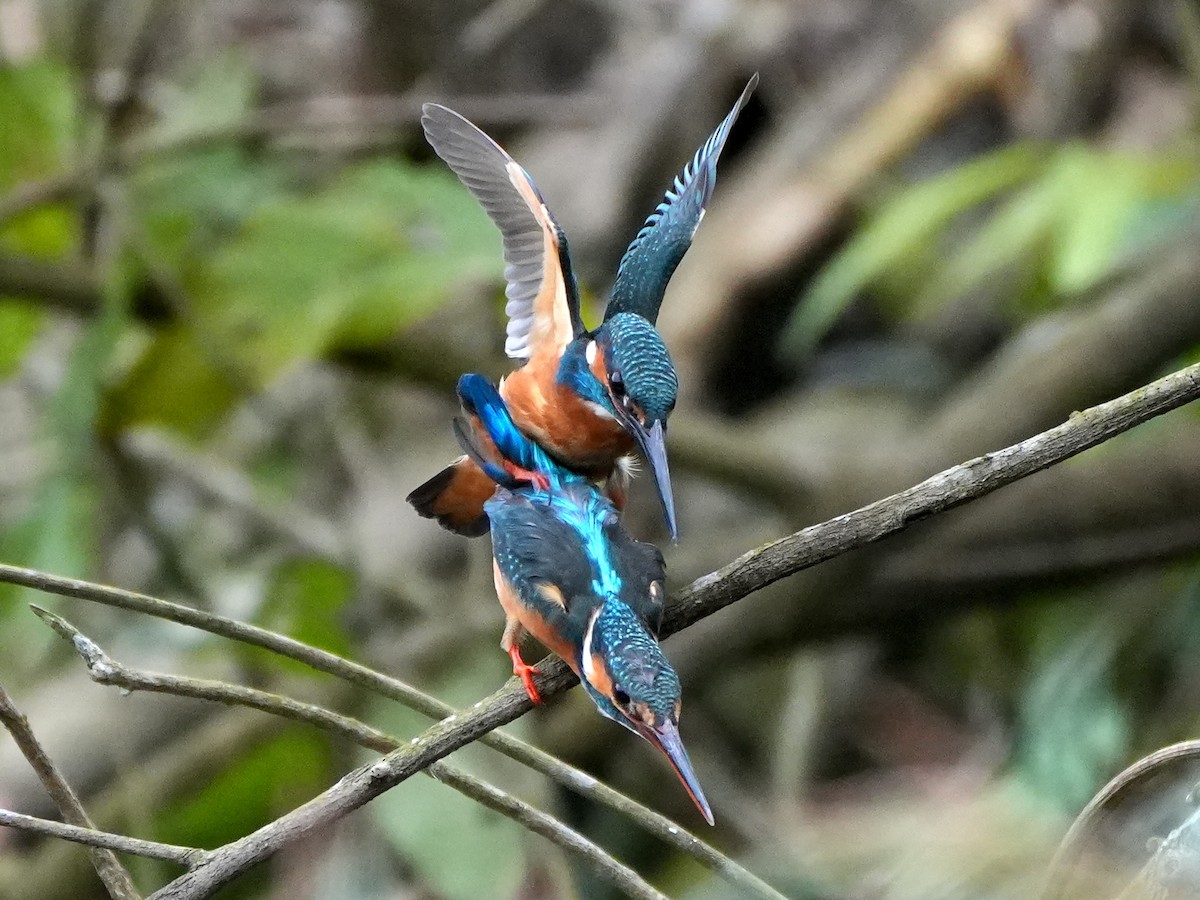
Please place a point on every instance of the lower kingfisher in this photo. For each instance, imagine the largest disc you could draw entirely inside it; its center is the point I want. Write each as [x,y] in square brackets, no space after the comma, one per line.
[588,397]
[567,572]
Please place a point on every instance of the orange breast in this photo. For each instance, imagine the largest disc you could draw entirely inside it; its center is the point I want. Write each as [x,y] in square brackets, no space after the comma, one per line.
[561,422]
[531,621]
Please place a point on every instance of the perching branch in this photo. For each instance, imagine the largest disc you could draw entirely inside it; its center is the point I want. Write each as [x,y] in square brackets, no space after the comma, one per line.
[108,867]
[705,596]
[183,856]
[103,669]
[563,774]
[946,490]
[754,570]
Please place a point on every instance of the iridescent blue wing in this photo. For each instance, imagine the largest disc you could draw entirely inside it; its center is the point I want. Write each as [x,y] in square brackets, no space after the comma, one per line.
[651,259]
[482,404]
[543,301]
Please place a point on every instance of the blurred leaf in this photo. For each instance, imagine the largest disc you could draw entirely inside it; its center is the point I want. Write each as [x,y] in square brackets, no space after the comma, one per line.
[191,203]
[899,229]
[217,95]
[305,601]
[1101,194]
[174,382]
[1012,233]
[272,779]
[58,535]
[37,109]
[19,325]
[378,248]
[461,849]
[1074,727]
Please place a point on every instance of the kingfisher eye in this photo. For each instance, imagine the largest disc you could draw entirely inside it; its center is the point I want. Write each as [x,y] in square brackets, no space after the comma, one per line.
[617,383]
[620,697]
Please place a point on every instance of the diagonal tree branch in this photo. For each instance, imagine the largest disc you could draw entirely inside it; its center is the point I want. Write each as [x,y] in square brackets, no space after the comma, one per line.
[707,595]
[946,490]
[103,669]
[108,867]
[568,776]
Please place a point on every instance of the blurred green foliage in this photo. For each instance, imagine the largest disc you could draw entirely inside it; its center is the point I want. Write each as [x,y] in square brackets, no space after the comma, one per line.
[1060,218]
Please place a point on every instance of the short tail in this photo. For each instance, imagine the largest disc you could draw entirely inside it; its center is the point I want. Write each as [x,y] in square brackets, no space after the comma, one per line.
[455,497]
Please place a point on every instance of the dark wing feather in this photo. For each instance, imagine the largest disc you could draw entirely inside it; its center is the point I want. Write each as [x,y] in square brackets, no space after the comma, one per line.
[532,546]
[543,301]
[656,251]
[643,576]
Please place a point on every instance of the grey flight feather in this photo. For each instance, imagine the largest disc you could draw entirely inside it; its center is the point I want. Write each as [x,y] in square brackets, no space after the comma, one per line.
[482,166]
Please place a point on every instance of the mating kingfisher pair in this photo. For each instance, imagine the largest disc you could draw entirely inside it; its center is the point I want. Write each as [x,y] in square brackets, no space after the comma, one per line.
[547,455]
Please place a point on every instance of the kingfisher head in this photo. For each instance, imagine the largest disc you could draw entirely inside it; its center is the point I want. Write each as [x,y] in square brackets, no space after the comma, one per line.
[629,679]
[631,377]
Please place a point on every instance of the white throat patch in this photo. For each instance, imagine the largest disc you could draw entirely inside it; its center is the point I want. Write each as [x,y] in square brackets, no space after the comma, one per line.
[589,668]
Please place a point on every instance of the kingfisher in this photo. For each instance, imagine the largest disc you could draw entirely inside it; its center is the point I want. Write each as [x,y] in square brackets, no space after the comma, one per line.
[568,573]
[588,397]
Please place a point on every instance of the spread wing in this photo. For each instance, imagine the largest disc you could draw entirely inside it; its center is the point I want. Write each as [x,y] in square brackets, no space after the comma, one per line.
[543,301]
[656,251]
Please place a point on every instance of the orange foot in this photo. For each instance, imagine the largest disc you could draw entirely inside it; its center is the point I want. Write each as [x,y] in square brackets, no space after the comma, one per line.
[538,479]
[525,672]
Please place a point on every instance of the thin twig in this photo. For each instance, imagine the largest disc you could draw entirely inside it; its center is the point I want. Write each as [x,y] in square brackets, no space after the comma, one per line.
[709,594]
[751,572]
[108,867]
[183,856]
[103,669]
[165,773]
[1090,819]
[563,774]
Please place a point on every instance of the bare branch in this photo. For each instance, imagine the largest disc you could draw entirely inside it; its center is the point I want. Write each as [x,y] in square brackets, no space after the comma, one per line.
[183,856]
[103,669]
[705,596]
[946,490]
[572,779]
[108,867]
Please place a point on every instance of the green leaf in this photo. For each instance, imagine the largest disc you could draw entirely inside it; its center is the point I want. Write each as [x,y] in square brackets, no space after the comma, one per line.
[58,534]
[901,227]
[378,248]
[175,382]
[1074,726]
[305,601]
[251,791]
[19,325]
[1012,234]
[460,848]
[218,95]
[1103,196]
[37,109]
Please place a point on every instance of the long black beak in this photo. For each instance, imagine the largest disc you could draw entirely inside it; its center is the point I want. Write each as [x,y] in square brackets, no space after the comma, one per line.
[653,444]
[666,738]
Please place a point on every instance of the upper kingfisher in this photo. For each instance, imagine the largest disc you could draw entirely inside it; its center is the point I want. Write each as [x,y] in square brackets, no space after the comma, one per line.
[567,572]
[588,397]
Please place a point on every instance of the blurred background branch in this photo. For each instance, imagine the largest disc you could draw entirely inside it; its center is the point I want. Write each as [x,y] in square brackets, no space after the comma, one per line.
[235,295]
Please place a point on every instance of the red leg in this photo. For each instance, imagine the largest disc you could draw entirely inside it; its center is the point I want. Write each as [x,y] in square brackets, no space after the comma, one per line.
[537,479]
[525,672]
